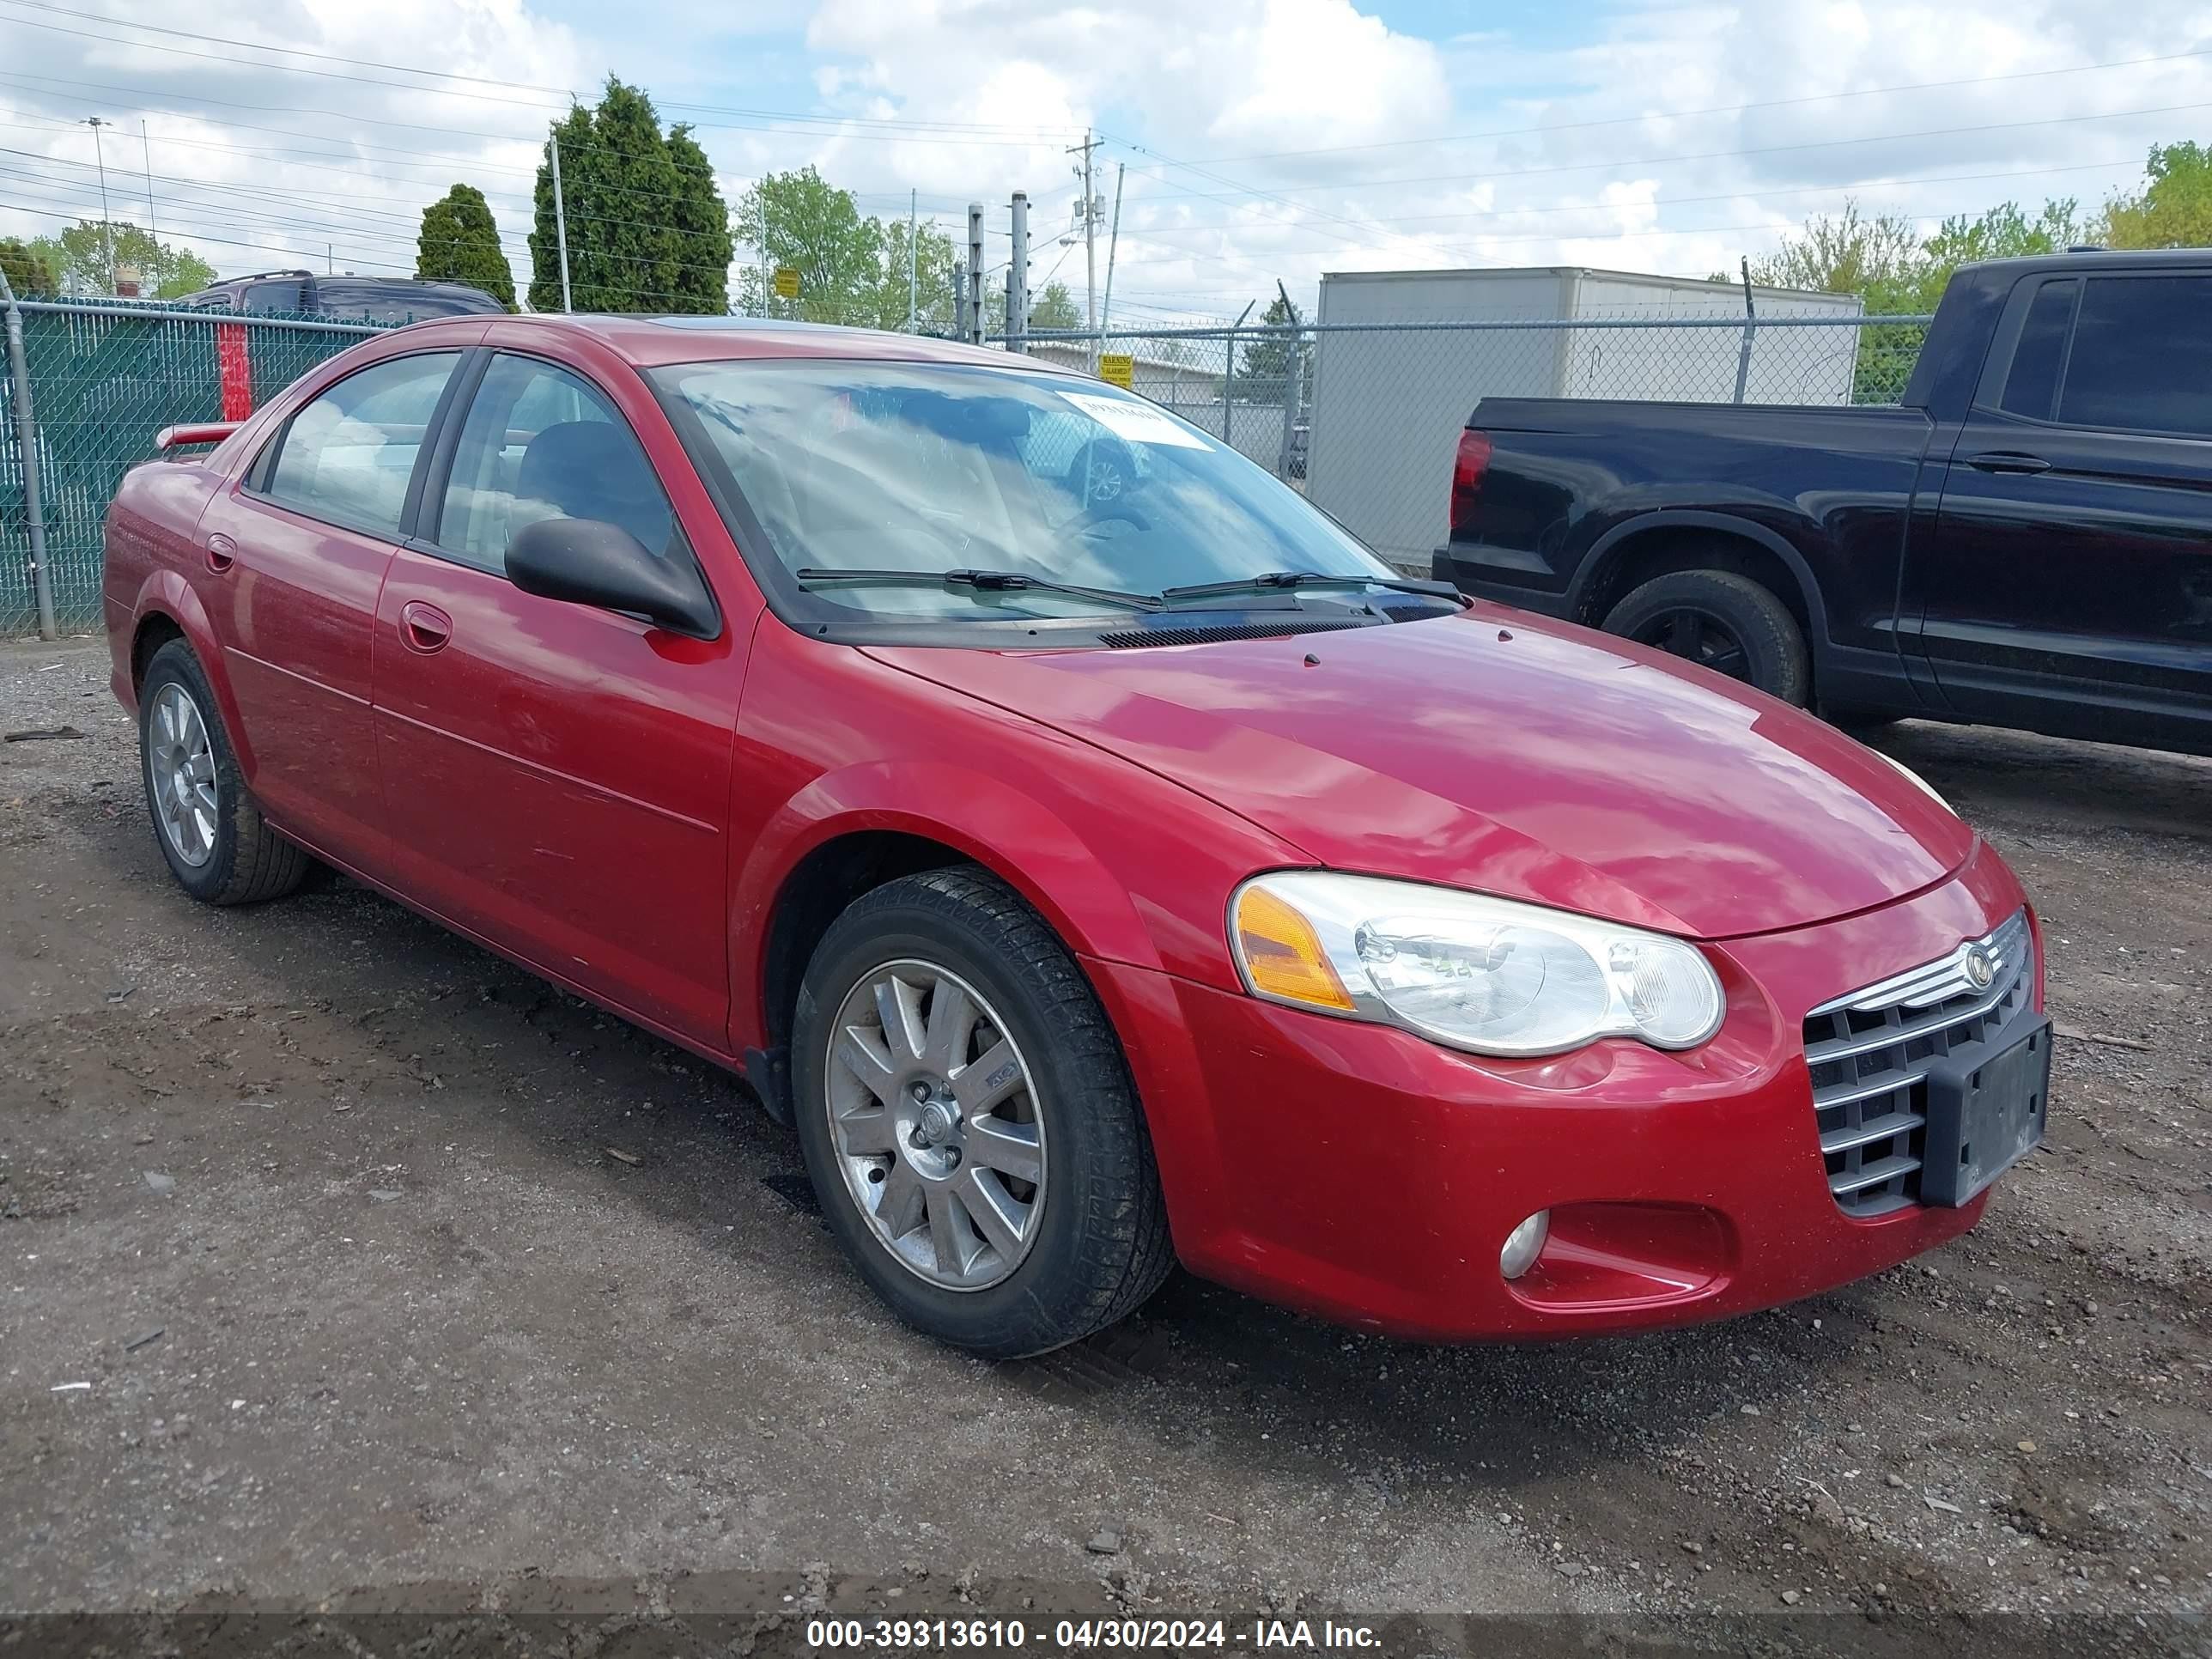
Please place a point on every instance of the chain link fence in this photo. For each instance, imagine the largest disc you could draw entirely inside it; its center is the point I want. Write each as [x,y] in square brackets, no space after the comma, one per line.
[103,378]
[1365,418]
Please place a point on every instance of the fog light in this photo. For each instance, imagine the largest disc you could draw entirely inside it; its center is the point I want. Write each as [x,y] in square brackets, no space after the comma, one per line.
[1523,1244]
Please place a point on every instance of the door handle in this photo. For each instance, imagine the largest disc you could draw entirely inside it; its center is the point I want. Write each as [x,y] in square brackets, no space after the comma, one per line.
[424,628]
[222,553]
[2005,460]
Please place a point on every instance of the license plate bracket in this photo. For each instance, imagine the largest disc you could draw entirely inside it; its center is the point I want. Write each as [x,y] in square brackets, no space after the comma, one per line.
[1987,1104]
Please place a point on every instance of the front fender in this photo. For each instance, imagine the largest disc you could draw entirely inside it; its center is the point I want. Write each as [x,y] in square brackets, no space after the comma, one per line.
[1027,845]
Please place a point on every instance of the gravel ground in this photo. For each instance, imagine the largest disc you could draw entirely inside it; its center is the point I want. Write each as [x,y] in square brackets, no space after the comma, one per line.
[401,1281]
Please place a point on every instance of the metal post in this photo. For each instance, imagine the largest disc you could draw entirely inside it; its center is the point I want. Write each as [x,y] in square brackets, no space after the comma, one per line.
[148,143]
[974,330]
[1113,242]
[107,222]
[560,221]
[1229,374]
[26,440]
[1294,385]
[960,299]
[1017,277]
[913,266]
[1090,253]
[1750,328]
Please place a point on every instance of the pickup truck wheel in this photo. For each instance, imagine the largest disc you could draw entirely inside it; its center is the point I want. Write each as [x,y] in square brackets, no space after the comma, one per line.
[209,828]
[1724,622]
[969,1122]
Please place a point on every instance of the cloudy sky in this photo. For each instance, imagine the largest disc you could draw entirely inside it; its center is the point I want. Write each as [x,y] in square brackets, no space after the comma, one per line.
[1261,138]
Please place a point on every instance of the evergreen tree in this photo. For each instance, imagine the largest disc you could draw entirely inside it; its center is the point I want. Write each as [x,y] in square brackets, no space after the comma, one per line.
[702,226]
[459,243]
[646,230]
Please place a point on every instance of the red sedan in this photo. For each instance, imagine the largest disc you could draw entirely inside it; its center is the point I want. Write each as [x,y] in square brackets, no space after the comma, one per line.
[1097,855]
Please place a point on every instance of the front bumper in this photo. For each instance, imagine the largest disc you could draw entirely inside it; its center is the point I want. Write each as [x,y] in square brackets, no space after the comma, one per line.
[1360,1173]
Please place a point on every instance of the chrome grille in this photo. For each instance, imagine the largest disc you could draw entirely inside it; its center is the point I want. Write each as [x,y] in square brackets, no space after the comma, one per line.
[1868,1051]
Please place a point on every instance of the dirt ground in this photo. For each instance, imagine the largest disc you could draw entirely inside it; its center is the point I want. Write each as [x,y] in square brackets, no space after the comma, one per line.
[400,1281]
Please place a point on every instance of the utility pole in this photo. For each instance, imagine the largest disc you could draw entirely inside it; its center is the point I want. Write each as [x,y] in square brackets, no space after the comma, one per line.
[148,144]
[1017,277]
[913,266]
[1113,242]
[975,330]
[560,220]
[106,225]
[1090,211]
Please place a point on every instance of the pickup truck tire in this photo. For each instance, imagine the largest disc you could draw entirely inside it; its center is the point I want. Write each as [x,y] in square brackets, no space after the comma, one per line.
[1727,622]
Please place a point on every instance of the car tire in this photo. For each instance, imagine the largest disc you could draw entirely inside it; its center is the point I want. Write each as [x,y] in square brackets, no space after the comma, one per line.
[1062,1256]
[1727,622]
[205,820]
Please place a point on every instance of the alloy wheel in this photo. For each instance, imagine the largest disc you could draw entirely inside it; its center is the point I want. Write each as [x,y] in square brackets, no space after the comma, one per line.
[936,1126]
[1697,636]
[180,773]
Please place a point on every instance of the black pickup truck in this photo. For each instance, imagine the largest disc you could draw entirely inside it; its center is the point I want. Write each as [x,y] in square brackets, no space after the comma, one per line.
[2025,540]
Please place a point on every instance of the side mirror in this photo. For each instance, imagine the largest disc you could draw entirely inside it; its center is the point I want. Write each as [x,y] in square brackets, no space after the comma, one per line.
[589,562]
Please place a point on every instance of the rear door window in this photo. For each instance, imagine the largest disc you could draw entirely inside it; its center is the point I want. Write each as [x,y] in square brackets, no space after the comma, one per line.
[346,456]
[2142,355]
[2032,383]
[283,294]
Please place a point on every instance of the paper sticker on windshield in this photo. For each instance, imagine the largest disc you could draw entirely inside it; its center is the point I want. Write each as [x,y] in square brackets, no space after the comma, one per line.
[1140,423]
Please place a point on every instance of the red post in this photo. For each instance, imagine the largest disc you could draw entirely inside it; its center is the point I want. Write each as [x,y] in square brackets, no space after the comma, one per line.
[236,370]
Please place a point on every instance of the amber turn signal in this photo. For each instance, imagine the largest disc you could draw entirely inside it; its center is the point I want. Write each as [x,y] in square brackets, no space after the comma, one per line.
[1282,955]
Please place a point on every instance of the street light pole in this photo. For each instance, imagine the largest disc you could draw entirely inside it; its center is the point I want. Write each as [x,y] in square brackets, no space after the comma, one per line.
[148,141]
[106,223]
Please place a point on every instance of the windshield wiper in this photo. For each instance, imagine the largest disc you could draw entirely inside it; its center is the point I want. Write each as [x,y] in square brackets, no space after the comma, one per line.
[980,581]
[1270,581]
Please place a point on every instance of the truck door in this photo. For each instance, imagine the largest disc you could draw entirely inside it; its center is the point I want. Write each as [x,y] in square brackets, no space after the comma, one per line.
[2069,585]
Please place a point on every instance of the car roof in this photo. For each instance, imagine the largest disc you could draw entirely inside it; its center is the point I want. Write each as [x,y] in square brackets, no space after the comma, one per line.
[654,341]
[2098,259]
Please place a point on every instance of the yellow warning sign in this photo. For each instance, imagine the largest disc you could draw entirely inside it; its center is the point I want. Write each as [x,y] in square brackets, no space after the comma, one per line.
[786,282]
[1117,368]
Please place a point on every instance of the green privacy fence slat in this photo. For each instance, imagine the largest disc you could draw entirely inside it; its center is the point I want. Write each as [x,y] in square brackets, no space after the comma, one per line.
[104,379]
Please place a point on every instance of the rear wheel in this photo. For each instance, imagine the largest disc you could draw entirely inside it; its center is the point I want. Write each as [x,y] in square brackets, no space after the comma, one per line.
[209,828]
[1721,621]
[969,1122]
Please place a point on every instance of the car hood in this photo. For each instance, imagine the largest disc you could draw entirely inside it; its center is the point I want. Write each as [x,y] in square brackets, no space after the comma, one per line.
[1505,753]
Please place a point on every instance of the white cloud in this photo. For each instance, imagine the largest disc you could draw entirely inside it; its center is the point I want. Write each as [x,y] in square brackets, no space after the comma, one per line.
[1264,138]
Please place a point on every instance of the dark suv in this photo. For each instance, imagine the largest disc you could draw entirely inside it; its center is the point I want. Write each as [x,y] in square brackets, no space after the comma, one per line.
[371,299]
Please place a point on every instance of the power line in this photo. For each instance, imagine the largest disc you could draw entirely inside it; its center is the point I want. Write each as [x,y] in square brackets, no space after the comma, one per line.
[288,52]
[750,120]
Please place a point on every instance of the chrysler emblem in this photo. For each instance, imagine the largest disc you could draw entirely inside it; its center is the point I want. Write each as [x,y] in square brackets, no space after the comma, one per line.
[1981,967]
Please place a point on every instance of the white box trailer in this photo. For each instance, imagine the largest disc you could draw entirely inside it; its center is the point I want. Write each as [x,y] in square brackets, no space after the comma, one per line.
[1388,408]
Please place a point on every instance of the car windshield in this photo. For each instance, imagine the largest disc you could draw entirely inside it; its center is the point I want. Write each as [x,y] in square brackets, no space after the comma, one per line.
[930,468]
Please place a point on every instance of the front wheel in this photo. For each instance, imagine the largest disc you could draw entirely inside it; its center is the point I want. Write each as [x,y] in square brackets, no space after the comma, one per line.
[1721,621]
[969,1122]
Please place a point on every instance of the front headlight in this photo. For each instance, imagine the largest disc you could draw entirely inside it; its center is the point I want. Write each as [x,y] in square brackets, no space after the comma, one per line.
[1480,974]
